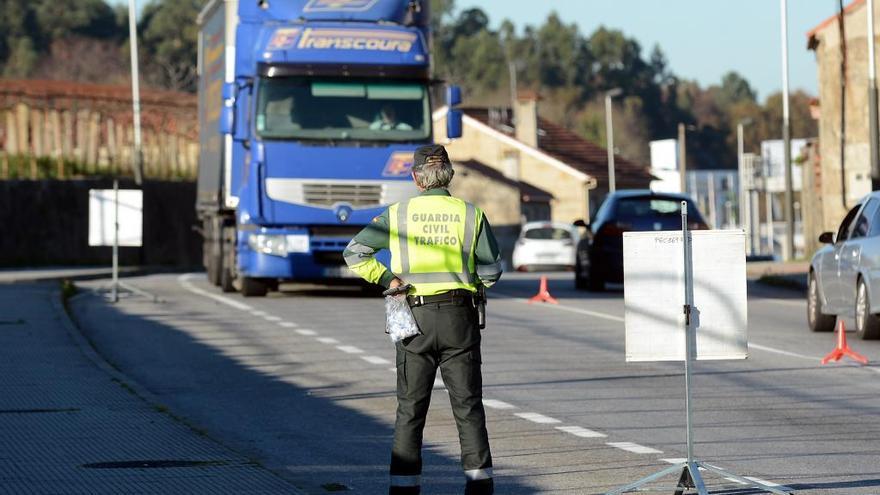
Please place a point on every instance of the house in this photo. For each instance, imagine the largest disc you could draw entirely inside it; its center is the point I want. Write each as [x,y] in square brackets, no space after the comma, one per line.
[839,173]
[559,175]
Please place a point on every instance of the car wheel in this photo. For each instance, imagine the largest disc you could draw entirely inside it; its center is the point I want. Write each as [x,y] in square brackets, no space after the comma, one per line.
[253,287]
[595,283]
[867,324]
[818,322]
[580,282]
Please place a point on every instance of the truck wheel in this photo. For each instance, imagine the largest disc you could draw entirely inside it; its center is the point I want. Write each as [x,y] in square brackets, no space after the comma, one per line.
[867,324]
[227,263]
[817,321]
[253,287]
[213,253]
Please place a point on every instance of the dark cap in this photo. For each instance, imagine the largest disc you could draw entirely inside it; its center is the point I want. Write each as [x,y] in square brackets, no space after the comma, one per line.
[428,154]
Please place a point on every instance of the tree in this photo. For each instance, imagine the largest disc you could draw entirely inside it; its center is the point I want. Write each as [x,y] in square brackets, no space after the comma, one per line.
[169,38]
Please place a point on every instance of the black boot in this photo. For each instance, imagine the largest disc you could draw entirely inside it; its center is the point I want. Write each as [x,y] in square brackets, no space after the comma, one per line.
[480,487]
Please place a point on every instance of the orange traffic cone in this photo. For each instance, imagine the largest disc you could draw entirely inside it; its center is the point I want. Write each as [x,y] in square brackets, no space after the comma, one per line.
[543,294]
[843,349]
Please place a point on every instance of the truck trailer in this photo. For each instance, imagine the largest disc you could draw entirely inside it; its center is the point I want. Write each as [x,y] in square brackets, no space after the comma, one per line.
[309,113]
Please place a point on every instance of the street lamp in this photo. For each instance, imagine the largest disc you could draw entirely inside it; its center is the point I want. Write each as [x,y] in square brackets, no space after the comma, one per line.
[788,251]
[745,215]
[609,133]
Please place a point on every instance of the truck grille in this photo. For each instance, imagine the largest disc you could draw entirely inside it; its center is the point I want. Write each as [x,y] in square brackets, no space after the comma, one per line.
[328,194]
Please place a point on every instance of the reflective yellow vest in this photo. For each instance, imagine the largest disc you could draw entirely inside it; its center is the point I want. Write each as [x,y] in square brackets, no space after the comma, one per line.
[432,241]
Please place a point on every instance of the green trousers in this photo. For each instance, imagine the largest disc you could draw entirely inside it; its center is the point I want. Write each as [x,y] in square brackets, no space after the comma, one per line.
[450,340]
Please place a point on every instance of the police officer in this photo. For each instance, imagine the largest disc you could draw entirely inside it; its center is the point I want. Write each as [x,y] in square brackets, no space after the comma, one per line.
[444,247]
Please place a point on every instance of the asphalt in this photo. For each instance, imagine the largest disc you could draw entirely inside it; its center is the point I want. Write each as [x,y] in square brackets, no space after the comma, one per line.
[301,382]
[72,424]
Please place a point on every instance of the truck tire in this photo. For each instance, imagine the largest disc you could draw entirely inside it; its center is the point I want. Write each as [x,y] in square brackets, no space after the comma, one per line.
[213,253]
[227,263]
[817,321]
[867,324]
[253,287]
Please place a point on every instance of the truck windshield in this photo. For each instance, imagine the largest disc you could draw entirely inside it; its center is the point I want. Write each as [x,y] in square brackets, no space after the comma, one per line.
[342,109]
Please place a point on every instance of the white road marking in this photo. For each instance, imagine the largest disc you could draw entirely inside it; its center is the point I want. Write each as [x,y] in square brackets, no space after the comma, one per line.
[306,332]
[497,404]
[634,448]
[259,313]
[765,348]
[375,360]
[787,302]
[767,483]
[286,324]
[537,418]
[438,383]
[674,460]
[183,280]
[587,312]
[393,370]
[327,340]
[350,349]
[581,432]
[272,318]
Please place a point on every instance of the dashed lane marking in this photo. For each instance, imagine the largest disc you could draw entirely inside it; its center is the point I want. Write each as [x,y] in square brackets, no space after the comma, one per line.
[327,340]
[767,483]
[634,448]
[286,324]
[765,348]
[581,432]
[674,460]
[306,332]
[497,404]
[272,318]
[587,312]
[375,360]
[183,280]
[259,313]
[350,349]
[537,418]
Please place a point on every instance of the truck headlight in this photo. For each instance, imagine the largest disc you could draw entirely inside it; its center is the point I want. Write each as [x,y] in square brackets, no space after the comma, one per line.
[268,244]
[297,243]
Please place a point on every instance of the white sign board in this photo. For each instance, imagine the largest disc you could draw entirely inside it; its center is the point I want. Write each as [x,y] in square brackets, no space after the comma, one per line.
[653,264]
[102,216]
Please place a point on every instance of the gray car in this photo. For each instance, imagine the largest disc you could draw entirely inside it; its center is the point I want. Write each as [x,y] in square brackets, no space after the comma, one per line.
[844,278]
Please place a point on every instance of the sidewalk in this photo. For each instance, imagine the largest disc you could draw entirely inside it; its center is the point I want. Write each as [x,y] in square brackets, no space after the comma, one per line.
[784,274]
[71,424]
[41,274]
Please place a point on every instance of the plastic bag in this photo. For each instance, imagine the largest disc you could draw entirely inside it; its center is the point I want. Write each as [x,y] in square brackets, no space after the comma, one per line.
[399,320]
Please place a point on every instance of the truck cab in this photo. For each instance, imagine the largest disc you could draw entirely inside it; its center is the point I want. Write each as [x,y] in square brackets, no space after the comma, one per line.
[310,114]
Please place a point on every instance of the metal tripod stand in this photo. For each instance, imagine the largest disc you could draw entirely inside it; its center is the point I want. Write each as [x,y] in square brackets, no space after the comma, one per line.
[691,477]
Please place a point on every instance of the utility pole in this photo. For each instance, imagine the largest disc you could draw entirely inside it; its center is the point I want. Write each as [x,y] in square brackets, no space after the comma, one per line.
[511,66]
[874,138]
[788,250]
[682,157]
[745,215]
[609,133]
[137,162]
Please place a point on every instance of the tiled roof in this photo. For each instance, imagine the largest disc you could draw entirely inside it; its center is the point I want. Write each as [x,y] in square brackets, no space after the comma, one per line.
[569,148]
[528,192]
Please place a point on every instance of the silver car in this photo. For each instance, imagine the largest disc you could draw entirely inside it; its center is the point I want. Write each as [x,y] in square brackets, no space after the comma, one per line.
[844,278]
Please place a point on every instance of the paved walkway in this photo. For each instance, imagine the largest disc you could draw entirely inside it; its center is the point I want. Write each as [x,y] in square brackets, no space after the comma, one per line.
[71,424]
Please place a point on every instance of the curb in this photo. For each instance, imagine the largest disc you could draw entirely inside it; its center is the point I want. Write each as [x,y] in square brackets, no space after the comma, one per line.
[123,273]
[88,350]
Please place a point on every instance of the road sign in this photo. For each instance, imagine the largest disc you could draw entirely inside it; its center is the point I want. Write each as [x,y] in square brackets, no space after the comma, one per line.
[102,217]
[654,289]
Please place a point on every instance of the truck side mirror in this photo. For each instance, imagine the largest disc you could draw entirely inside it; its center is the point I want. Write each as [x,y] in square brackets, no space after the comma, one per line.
[227,112]
[453,96]
[453,124]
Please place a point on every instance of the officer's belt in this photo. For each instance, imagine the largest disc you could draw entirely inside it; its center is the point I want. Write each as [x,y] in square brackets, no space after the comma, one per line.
[455,296]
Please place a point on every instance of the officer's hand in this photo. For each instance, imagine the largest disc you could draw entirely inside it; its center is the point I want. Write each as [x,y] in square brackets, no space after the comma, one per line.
[395,283]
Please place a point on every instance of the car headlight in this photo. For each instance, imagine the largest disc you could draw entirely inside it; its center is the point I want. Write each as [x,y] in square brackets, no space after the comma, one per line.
[268,244]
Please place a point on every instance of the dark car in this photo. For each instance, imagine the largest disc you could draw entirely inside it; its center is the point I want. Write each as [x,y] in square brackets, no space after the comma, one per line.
[599,256]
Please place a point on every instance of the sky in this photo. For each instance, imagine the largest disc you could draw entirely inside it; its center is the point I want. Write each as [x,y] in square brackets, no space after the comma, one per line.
[702,39]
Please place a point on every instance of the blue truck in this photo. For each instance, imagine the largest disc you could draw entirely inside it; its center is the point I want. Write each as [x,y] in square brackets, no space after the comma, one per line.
[309,113]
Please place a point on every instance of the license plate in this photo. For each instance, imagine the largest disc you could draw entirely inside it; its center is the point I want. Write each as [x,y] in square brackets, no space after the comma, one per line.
[339,272]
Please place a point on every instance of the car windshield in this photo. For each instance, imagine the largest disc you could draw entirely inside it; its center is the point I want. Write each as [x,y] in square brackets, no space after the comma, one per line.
[342,109]
[654,212]
[547,233]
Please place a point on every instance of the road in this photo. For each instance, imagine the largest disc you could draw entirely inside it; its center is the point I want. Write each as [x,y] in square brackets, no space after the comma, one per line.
[302,382]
